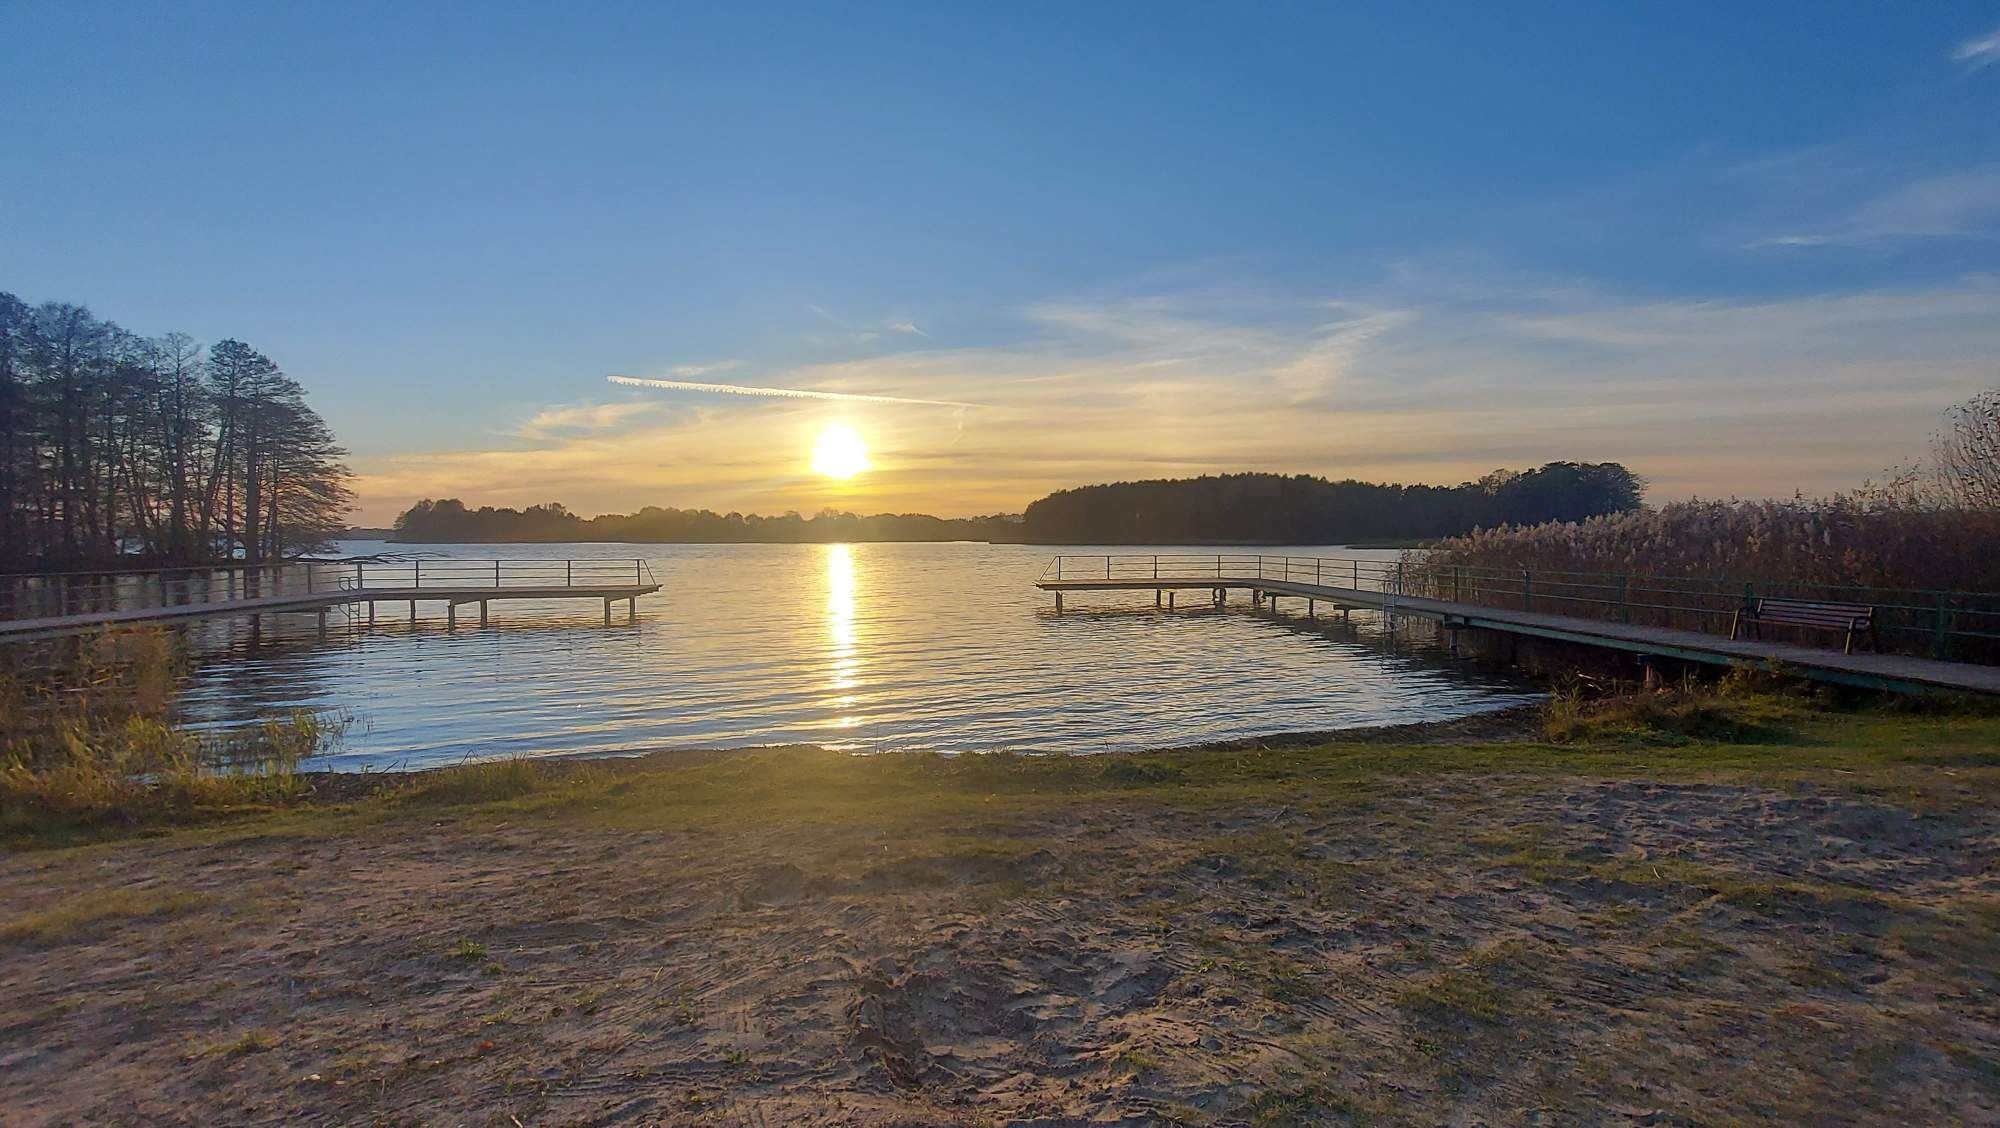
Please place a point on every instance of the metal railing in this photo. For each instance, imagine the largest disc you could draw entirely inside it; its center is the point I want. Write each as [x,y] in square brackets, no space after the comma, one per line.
[1954,625]
[48,595]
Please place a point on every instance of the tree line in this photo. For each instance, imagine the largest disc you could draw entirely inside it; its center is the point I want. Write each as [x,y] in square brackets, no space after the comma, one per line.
[449,521]
[1303,509]
[1234,508]
[118,449]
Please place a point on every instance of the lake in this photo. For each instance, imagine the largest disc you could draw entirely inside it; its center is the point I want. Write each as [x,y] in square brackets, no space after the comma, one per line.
[944,647]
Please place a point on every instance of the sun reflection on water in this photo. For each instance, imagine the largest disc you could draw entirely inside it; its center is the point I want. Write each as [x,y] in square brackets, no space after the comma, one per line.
[844,665]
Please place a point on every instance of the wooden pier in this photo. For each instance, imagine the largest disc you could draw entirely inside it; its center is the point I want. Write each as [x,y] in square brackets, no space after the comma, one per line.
[1379,586]
[321,587]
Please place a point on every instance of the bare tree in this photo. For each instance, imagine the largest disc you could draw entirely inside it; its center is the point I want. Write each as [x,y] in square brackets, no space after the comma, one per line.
[113,446]
[1967,452]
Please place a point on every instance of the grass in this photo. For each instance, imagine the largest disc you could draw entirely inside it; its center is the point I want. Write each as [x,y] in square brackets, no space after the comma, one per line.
[1752,729]
[89,742]
[93,914]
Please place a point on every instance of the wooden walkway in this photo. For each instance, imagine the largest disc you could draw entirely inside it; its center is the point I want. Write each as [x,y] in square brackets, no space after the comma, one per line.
[454,590]
[1893,672]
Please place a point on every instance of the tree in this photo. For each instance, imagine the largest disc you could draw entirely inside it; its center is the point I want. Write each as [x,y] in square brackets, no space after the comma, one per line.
[1967,452]
[113,447]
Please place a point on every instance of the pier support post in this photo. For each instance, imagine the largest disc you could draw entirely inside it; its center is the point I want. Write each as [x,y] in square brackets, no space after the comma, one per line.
[371,612]
[607,612]
[632,609]
[1219,594]
[413,610]
[450,614]
[1311,611]
[482,612]
[322,624]
[1170,601]
[1059,603]
[1156,599]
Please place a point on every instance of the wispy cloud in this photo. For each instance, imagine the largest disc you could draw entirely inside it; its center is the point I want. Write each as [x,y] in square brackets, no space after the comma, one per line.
[778,393]
[691,371]
[1963,204]
[1978,51]
[574,417]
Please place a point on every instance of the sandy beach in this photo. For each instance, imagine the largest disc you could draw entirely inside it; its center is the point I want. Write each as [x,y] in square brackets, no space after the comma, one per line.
[1354,932]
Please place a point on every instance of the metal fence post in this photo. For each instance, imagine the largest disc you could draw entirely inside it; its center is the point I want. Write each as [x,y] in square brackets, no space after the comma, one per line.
[569,573]
[416,573]
[1940,636]
[1527,590]
[1624,609]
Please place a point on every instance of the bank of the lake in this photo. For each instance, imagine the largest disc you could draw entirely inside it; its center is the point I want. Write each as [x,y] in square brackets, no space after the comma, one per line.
[1683,909]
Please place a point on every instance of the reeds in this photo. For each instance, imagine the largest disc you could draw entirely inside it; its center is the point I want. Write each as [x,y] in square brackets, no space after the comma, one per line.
[1689,564]
[88,737]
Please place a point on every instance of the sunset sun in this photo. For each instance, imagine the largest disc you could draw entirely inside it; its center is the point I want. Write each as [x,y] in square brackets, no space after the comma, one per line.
[840,452]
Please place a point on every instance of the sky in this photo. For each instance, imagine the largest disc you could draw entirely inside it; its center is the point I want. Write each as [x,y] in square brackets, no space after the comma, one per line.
[1747,250]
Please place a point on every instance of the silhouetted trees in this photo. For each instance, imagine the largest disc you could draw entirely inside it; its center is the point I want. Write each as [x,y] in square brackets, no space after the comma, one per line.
[450,522]
[116,448]
[1302,509]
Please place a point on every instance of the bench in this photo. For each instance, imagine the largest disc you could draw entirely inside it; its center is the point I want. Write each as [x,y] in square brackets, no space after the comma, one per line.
[1852,618]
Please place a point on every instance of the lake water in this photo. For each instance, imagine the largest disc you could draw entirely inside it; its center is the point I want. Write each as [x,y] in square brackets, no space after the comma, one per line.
[866,647]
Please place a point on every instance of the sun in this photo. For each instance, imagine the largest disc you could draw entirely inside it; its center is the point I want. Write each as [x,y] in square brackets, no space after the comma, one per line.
[840,452]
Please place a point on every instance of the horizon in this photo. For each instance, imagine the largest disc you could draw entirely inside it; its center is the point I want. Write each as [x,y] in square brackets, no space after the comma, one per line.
[1019,253]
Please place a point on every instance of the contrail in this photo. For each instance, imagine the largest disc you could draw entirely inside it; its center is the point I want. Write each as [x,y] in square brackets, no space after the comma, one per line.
[779,393]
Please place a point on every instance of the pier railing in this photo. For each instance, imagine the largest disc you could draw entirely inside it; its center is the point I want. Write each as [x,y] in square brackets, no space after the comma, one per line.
[34,596]
[1960,625]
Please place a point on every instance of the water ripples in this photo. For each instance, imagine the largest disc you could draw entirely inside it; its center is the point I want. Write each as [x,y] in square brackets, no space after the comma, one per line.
[945,647]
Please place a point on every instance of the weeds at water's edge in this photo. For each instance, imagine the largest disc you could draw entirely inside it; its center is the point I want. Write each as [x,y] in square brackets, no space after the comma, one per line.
[90,741]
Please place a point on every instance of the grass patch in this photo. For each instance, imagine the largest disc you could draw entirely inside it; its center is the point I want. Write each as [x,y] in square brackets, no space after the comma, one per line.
[95,914]
[1467,993]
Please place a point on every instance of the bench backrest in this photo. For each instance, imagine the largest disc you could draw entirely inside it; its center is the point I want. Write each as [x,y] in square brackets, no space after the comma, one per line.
[1806,613]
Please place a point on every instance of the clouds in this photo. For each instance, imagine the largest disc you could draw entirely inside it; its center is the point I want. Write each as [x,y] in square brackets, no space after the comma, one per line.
[1403,380]
[759,390]
[560,419]
[1978,51]
[1963,204]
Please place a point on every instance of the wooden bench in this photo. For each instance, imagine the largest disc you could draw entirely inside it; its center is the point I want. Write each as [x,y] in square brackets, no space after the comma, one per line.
[1852,618]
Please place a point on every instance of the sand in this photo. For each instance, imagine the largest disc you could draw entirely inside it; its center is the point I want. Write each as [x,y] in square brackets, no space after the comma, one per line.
[1456,950]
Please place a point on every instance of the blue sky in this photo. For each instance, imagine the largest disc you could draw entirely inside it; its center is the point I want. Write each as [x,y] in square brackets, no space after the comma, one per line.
[1745,249]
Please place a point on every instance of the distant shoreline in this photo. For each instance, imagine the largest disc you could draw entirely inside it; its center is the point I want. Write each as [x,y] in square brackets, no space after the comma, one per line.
[379,535]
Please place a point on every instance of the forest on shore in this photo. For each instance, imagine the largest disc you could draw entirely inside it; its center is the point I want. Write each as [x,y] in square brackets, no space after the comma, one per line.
[122,449]
[1233,508]
[451,521]
[1303,509]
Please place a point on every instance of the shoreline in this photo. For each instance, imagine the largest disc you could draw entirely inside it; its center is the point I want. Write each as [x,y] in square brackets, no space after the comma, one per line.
[1486,726]
[1576,920]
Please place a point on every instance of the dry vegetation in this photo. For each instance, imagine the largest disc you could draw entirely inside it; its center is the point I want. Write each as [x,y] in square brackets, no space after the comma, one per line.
[89,742]
[1682,907]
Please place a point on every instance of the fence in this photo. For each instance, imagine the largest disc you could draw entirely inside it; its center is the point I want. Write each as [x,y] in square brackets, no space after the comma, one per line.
[1956,625]
[54,594]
